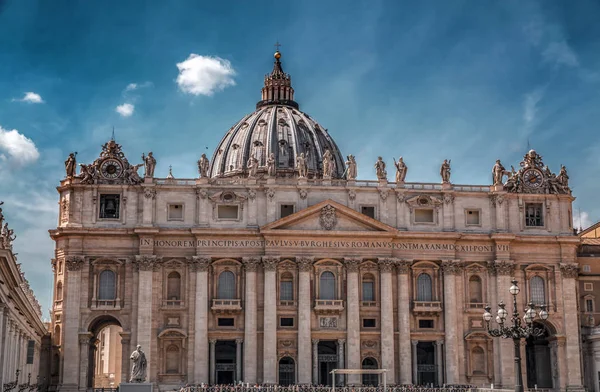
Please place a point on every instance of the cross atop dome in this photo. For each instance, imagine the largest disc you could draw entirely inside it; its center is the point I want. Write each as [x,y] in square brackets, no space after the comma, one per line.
[278,85]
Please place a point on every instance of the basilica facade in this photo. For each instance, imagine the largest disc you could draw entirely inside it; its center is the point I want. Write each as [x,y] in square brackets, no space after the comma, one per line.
[276,265]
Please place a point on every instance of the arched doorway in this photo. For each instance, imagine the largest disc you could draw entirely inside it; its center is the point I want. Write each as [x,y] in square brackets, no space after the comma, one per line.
[539,360]
[105,362]
[287,371]
[225,358]
[370,379]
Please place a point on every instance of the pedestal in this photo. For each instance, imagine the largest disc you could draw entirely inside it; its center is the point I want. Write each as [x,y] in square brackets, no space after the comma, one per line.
[251,181]
[497,188]
[446,186]
[326,182]
[302,181]
[148,180]
[201,180]
[271,180]
[135,387]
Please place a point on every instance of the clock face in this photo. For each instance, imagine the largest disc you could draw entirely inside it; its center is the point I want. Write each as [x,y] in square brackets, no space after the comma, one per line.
[111,168]
[533,178]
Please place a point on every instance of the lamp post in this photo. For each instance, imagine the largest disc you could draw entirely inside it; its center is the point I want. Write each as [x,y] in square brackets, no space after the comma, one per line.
[514,329]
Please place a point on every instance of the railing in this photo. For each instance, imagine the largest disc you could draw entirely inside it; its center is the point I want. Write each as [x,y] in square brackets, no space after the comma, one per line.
[227,304]
[369,304]
[104,303]
[322,388]
[173,303]
[285,302]
[336,303]
[427,306]
[476,305]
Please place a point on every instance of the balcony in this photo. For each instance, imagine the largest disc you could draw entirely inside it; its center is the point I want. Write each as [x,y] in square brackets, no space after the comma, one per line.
[329,306]
[427,307]
[476,305]
[173,303]
[368,304]
[287,303]
[105,304]
[226,305]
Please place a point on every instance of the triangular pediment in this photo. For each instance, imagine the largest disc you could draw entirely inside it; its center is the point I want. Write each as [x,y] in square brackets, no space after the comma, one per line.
[327,216]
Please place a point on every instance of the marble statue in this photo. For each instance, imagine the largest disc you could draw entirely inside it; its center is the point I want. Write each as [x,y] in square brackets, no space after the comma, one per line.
[271,169]
[252,167]
[150,164]
[301,166]
[498,172]
[328,164]
[203,166]
[351,167]
[7,236]
[131,174]
[140,365]
[71,165]
[87,173]
[1,215]
[445,171]
[401,170]
[380,169]
[562,178]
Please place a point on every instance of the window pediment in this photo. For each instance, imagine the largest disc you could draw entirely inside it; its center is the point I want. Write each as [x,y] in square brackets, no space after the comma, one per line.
[228,197]
[107,261]
[172,333]
[424,201]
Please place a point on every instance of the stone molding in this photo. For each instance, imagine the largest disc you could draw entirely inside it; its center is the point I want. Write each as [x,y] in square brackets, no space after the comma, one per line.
[386,264]
[146,262]
[199,263]
[403,267]
[304,263]
[303,193]
[201,193]
[352,264]
[503,267]
[569,270]
[496,200]
[74,263]
[448,198]
[383,194]
[452,267]
[270,263]
[149,193]
[251,263]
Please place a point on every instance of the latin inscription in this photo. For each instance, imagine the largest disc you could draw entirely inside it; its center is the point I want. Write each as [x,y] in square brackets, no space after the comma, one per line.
[332,244]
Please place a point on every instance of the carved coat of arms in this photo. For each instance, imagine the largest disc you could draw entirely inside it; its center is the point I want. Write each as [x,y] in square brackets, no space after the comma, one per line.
[328,218]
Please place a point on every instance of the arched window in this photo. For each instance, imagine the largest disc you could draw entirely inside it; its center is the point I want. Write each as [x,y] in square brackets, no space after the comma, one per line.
[172,358]
[478,360]
[286,287]
[327,285]
[538,293]
[226,288]
[107,285]
[475,289]
[369,379]
[57,335]
[287,371]
[174,286]
[424,288]
[368,288]
[59,291]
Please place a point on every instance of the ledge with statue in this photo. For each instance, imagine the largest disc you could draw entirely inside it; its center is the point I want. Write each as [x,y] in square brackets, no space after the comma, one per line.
[139,373]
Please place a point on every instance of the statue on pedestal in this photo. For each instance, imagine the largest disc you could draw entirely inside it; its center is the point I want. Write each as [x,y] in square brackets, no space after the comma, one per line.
[271,170]
[150,164]
[140,366]
[380,169]
[203,165]
[351,168]
[71,165]
[498,172]
[401,170]
[445,171]
[252,167]
[328,165]
[301,166]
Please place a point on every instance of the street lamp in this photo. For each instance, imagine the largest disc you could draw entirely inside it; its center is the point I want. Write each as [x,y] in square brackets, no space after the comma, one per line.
[515,330]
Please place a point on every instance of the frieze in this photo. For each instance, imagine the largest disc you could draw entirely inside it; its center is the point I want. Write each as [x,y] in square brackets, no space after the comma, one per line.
[74,263]
[569,270]
[352,264]
[270,263]
[251,263]
[146,262]
[328,322]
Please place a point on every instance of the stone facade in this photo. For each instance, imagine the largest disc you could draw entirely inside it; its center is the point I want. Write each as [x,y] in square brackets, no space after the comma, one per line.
[276,279]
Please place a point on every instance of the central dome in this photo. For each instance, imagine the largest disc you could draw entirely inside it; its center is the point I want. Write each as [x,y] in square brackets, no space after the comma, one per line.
[277,127]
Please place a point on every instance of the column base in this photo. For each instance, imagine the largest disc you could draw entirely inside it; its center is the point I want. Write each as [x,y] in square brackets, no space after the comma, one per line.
[578,388]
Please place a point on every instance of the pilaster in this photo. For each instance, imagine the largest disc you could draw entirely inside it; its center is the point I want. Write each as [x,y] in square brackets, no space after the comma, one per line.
[305,267]
[451,268]
[569,273]
[250,333]
[199,265]
[270,320]
[386,267]
[70,341]
[404,348]
[353,318]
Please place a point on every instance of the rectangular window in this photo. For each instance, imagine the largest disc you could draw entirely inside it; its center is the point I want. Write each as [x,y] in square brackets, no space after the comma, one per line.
[472,217]
[286,322]
[587,268]
[286,291]
[588,287]
[286,210]
[368,291]
[534,215]
[369,323]
[589,306]
[175,212]
[109,206]
[30,351]
[424,215]
[226,322]
[428,324]
[368,211]
[227,212]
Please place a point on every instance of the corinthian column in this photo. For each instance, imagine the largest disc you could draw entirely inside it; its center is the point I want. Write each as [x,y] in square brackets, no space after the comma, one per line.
[200,265]
[386,267]
[353,319]
[145,266]
[250,358]
[70,376]
[570,272]
[405,357]
[270,321]
[451,268]
[304,318]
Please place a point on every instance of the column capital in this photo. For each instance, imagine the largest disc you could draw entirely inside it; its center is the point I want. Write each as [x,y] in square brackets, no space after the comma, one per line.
[85,338]
[74,263]
[304,263]
[341,341]
[352,263]
[414,343]
[386,264]
[270,263]
[569,270]
[199,263]
[403,266]
[212,341]
[439,342]
[238,341]
[315,342]
[501,267]
[452,267]
[251,263]
[146,262]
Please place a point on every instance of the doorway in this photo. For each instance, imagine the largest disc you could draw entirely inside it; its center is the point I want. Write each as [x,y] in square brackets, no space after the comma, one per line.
[370,379]
[327,355]
[105,360]
[225,362]
[539,364]
[287,371]
[426,368]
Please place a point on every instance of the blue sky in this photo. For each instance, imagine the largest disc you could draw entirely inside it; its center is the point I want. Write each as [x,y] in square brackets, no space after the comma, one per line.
[472,81]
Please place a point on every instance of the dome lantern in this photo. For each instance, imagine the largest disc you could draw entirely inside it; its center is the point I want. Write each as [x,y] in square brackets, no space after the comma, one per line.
[278,86]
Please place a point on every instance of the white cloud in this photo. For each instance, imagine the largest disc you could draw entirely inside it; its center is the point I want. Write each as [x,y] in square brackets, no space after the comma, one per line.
[530,106]
[136,86]
[550,39]
[560,53]
[204,75]
[581,220]
[30,97]
[17,147]
[125,110]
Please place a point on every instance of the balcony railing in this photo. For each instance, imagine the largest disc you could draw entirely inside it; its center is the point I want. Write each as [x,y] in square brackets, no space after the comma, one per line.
[476,305]
[368,304]
[105,304]
[427,306]
[286,302]
[173,303]
[226,305]
[329,305]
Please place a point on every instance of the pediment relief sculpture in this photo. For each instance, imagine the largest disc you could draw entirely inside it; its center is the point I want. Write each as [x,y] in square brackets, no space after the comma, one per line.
[533,177]
[228,197]
[424,201]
